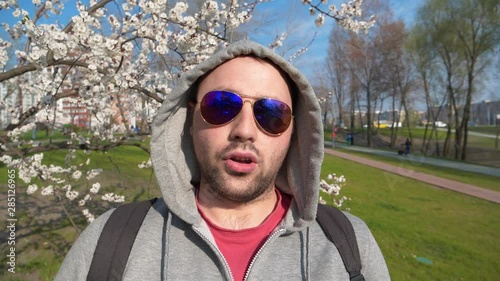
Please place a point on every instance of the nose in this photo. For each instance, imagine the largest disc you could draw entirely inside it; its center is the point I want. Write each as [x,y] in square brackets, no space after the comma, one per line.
[244,127]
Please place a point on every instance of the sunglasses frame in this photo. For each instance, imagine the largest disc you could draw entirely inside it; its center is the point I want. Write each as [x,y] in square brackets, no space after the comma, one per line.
[242,97]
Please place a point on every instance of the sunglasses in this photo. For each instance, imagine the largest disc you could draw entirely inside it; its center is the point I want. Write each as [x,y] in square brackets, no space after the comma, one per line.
[221,107]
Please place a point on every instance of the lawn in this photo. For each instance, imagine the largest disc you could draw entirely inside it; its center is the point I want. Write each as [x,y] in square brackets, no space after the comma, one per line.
[479,180]
[492,130]
[418,134]
[409,219]
[42,135]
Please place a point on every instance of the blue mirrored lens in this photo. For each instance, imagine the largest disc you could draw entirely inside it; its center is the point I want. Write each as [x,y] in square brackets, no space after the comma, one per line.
[273,116]
[220,107]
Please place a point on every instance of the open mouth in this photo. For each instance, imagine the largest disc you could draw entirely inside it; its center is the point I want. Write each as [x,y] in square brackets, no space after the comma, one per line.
[242,160]
[242,163]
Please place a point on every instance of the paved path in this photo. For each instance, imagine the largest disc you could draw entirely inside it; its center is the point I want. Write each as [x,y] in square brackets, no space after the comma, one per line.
[417,159]
[468,189]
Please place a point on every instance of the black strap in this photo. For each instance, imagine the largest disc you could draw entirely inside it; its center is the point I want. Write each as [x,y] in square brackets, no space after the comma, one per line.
[116,241]
[338,229]
[118,236]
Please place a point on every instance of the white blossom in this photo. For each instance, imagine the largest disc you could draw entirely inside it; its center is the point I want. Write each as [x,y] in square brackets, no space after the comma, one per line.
[32,188]
[89,216]
[7,159]
[112,197]
[95,188]
[16,13]
[76,175]
[48,190]
[71,194]
[333,188]
[93,173]
[145,164]
[320,20]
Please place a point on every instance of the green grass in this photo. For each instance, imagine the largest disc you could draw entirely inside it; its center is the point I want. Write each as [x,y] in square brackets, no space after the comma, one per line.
[492,130]
[410,219]
[479,180]
[41,135]
[44,265]
[55,135]
[418,133]
[120,165]
[475,141]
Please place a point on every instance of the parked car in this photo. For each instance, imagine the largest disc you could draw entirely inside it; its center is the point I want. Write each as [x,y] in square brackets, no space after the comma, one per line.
[440,124]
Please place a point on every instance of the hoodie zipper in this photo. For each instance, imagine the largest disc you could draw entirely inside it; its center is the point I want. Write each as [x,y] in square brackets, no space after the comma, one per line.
[271,237]
[218,251]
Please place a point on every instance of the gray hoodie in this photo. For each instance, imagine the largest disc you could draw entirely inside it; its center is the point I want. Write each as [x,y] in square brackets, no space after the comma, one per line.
[181,247]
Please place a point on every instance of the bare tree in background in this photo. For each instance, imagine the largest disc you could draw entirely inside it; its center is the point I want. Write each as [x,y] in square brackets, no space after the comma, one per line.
[339,74]
[464,34]
[424,60]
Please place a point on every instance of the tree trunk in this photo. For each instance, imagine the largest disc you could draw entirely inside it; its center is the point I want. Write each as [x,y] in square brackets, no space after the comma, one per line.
[407,116]
[466,116]
[394,120]
[368,118]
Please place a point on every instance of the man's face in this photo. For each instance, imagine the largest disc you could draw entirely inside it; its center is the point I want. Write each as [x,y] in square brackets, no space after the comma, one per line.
[239,161]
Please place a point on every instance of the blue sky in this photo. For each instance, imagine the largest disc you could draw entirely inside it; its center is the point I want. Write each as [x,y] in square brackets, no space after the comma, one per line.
[289,16]
[294,16]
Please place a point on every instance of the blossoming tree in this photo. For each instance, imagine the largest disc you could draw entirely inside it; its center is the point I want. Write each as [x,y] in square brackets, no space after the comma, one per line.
[109,54]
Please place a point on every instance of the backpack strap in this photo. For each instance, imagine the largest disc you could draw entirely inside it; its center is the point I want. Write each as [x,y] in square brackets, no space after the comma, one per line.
[116,241]
[338,229]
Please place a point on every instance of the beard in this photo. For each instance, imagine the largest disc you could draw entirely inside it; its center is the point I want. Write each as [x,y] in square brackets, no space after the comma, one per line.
[220,182]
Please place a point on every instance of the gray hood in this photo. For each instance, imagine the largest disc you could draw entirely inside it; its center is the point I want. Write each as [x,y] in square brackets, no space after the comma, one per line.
[175,163]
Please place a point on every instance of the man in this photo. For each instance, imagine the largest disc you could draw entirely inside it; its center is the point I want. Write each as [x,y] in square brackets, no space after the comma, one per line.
[334,136]
[237,149]
[407,146]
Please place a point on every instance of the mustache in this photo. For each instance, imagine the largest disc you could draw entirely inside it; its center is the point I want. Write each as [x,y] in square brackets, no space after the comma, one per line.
[239,145]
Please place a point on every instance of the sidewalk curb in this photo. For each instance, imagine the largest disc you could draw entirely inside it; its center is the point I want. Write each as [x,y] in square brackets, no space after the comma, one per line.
[468,189]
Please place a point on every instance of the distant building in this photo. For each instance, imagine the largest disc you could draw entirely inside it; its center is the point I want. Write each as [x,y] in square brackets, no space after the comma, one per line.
[481,114]
[5,101]
[386,118]
[485,113]
[77,114]
[13,102]
[127,109]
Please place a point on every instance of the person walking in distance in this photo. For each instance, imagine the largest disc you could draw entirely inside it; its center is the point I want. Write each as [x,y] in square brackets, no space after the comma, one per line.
[334,136]
[407,146]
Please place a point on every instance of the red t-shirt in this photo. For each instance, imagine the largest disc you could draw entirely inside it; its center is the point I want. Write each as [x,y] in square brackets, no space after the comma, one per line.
[239,246]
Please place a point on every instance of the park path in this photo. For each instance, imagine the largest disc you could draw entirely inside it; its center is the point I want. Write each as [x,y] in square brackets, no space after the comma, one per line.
[464,188]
